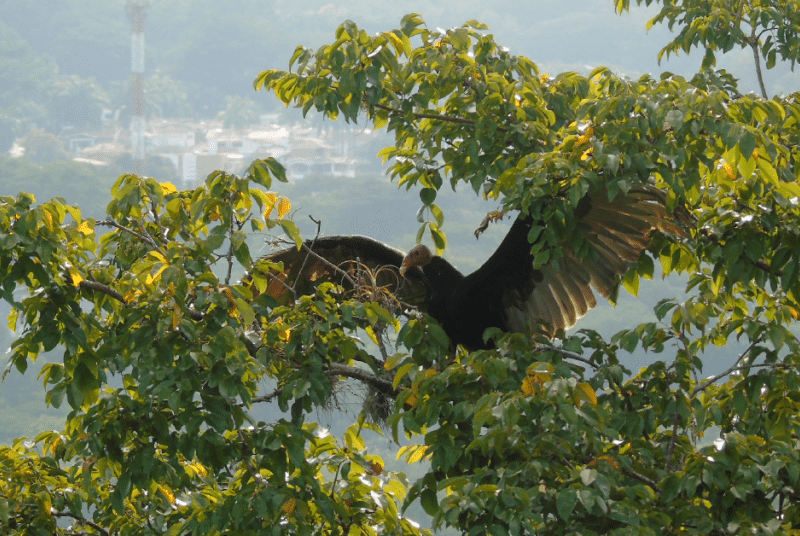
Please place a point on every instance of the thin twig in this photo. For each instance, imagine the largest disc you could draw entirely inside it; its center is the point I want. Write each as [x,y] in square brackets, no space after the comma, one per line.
[567,354]
[753,41]
[156,219]
[437,117]
[695,391]
[149,237]
[640,477]
[293,288]
[381,344]
[337,369]
[143,237]
[229,255]
[329,264]
[267,398]
[92,524]
[726,372]
[108,291]
[673,441]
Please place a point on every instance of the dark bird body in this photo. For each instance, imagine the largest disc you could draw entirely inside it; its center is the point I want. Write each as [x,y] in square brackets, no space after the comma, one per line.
[506,292]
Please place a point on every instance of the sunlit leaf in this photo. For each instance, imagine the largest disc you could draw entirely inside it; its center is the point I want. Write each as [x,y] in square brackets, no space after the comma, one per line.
[168,188]
[289,506]
[84,228]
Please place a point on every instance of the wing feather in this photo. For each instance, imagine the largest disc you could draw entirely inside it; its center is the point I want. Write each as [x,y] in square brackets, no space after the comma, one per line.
[560,292]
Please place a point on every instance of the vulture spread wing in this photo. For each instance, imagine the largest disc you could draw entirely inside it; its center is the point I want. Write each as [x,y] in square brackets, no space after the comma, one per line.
[506,292]
[509,293]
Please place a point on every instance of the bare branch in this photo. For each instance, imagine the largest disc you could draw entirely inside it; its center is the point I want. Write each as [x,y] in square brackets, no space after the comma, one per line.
[267,398]
[229,254]
[753,41]
[672,442]
[105,289]
[704,385]
[83,520]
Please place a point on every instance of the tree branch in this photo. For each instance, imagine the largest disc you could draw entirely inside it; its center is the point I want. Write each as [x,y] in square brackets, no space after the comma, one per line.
[326,262]
[633,474]
[702,386]
[437,117]
[267,398]
[143,237]
[337,369]
[105,289]
[379,384]
[108,291]
[92,524]
[568,355]
[753,41]
[672,442]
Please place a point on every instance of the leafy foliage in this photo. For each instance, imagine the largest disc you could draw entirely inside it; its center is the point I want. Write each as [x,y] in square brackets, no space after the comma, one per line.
[159,367]
[769,28]
[516,458]
[164,354]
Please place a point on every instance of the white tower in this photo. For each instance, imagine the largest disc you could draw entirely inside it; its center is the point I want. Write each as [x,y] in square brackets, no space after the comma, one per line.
[137,84]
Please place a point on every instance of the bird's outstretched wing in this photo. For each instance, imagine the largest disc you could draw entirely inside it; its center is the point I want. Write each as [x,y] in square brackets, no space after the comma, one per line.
[558,293]
[364,266]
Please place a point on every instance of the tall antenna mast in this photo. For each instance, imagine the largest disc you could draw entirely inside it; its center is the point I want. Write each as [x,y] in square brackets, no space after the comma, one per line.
[137,84]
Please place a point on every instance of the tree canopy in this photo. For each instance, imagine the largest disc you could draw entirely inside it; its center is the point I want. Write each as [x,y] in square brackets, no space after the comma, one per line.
[166,356]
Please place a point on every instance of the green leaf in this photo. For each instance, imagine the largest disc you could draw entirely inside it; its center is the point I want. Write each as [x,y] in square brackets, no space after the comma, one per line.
[439,239]
[460,39]
[277,169]
[439,335]
[772,57]
[631,282]
[429,502]
[242,253]
[408,49]
[247,312]
[768,172]
[588,476]
[421,215]
[427,195]
[420,233]
[777,336]
[674,119]
[85,379]
[740,403]
[291,229]
[565,503]
[259,173]
[709,59]
[55,396]
[747,144]
[438,215]
[216,238]
[646,267]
